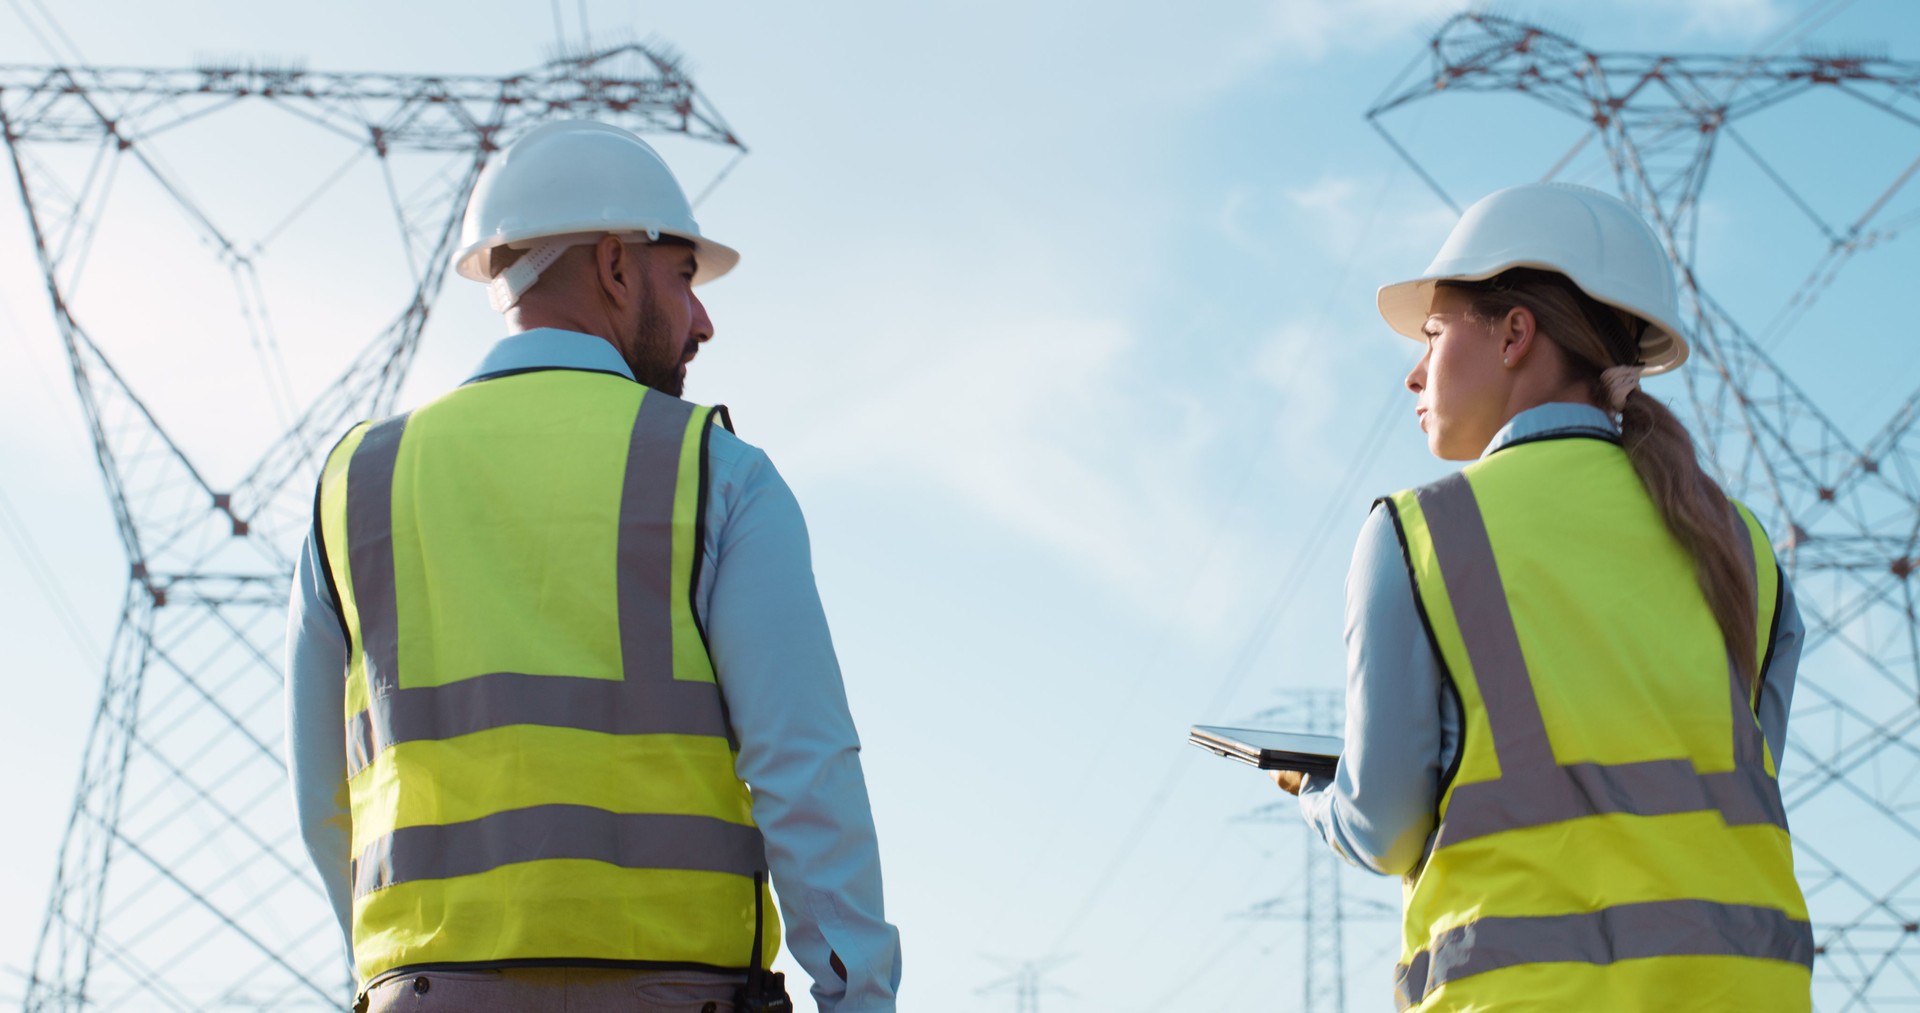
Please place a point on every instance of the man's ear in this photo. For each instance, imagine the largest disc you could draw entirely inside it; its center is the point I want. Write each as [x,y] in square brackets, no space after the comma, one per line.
[617,270]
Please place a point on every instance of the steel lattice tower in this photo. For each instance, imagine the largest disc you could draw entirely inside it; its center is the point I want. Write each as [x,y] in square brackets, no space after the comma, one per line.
[1027,983]
[1321,908]
[182,883]
[1845,514]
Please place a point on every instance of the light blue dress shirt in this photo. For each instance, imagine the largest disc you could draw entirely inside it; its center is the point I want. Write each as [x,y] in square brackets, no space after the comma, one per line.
[768,637]
[1403,720]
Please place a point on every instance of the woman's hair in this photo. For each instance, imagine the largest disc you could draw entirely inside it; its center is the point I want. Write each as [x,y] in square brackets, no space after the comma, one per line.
[1596,336]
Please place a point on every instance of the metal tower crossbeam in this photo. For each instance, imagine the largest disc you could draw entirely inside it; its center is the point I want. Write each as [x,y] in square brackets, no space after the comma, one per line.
[445,113]
[181,882]
[1845,513]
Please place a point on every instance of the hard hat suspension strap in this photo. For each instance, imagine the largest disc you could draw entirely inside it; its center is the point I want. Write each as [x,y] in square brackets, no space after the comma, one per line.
[506,288]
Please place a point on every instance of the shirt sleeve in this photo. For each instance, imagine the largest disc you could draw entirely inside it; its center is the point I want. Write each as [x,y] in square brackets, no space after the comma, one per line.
[316,731]
[799,752]
[1776,683]
[1378,810]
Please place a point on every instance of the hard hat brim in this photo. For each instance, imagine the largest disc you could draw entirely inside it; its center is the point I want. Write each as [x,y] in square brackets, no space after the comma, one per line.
[1404,307]
[711,259]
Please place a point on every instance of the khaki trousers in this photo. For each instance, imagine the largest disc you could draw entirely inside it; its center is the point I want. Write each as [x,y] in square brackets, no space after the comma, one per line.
[554,990]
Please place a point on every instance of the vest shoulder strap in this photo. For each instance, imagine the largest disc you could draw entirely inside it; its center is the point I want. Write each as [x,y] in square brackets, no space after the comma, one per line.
[333,466]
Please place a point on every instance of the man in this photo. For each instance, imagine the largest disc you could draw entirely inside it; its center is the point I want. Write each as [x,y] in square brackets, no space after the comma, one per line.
[575,617]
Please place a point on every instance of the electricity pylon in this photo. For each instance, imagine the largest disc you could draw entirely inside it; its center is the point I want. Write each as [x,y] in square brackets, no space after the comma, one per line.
[182,883]
[1321,907]
[1845,513]
[1027,982]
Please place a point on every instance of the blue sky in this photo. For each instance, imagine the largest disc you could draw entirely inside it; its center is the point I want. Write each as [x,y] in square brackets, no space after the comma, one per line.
[1058,318]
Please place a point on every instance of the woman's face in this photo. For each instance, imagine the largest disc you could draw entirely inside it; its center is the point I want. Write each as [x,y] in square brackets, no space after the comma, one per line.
[1461,386]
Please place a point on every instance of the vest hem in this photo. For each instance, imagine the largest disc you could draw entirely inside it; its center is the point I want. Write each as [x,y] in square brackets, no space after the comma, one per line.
[403,970]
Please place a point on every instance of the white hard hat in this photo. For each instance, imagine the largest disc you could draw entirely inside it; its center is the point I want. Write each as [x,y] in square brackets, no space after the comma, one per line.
[567,183]
[1598,242]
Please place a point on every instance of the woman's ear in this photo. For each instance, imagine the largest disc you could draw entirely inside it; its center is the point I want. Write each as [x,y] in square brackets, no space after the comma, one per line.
[1517,332]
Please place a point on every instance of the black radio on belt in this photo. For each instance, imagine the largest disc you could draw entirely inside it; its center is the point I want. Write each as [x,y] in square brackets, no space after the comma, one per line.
[764,992]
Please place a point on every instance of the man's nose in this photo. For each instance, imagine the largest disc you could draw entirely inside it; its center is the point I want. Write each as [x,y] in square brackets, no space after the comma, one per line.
[701,328]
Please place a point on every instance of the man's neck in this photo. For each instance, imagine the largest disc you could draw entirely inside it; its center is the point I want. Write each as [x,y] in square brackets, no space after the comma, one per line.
[521,323]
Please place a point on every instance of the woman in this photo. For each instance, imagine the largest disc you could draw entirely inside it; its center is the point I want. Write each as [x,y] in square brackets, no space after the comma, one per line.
[1570,663]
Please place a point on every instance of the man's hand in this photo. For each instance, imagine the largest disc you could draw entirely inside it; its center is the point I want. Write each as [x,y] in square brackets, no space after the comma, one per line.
[1288,780]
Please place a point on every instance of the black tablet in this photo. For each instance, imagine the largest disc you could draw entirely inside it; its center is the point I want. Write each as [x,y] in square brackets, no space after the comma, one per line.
[1309,754]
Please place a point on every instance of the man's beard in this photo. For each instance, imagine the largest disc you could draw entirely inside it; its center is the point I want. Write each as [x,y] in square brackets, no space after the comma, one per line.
[655,340]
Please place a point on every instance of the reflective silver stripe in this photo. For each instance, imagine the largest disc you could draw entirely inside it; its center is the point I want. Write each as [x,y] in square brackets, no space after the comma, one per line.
[370,551]
[1667,928]
[1541,795]
[1472,577]
[540,833]
[632,707]
[1410,982]
[1533,790]
[646,536]
[360,742]
[647,700]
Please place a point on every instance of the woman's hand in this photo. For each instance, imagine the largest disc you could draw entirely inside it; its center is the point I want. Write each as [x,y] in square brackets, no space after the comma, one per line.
[1288,780]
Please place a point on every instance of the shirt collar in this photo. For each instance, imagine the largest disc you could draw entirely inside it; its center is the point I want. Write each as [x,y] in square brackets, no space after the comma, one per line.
[1555,418]
[550,348]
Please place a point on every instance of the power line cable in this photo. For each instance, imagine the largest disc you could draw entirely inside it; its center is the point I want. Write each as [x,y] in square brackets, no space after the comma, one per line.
[27,20]
[27,547]
[1216,954]
[50,590]
[1276,607]
[725,171]
[54,23]
[1243,664]
[1787,35]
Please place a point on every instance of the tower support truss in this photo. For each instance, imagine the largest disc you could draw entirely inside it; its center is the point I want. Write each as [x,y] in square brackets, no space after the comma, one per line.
[182,883]
[1844,512]
[1320,905]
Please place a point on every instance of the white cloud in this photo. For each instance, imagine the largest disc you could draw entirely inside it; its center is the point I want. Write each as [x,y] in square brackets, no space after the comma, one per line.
[1737,18]
[1044,424]
[1311,30]
[1296,363]
[1377,221]
[1232,221]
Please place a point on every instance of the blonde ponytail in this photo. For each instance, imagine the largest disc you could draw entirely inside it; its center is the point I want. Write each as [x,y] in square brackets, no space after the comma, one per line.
[1699,515]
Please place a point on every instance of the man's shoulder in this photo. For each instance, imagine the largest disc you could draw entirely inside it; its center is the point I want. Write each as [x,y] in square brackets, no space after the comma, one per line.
[738,471]
[726,450]
[745,492]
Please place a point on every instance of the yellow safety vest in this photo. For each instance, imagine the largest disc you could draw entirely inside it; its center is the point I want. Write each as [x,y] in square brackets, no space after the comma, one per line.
[1612,836]
[539,758]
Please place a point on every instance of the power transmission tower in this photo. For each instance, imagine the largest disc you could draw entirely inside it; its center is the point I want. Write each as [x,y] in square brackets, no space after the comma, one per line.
[1322,909]
[1845,513]
[1027,982]
[182,883]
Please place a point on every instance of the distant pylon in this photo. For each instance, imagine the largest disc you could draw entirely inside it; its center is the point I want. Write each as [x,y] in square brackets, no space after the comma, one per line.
[1844,514]
[182,883]
[1321,908]
[1027,982]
